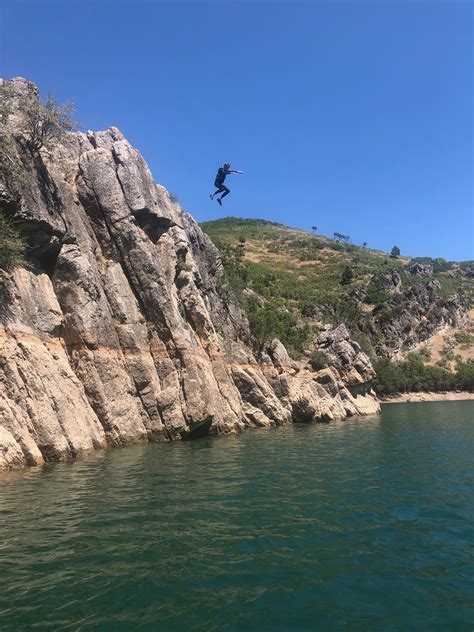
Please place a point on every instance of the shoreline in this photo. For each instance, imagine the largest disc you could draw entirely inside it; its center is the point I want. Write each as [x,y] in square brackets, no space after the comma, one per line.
[448,396]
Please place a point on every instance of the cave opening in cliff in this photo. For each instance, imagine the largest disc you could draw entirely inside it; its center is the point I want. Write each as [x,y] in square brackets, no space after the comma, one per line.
[152,225]
[48,259]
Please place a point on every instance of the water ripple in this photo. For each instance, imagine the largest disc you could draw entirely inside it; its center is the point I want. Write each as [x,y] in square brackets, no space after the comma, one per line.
[365,524]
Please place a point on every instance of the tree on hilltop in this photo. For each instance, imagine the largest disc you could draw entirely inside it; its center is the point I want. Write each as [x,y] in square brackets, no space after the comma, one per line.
[395,252]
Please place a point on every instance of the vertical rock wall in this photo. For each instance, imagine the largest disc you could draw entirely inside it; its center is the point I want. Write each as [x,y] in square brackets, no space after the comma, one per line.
[114,331]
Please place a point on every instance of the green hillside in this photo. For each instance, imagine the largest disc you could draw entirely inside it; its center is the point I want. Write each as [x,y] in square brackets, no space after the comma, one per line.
[297,269]
[292,282]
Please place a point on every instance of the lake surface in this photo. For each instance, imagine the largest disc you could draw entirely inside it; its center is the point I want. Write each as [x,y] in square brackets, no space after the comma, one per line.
[362,524]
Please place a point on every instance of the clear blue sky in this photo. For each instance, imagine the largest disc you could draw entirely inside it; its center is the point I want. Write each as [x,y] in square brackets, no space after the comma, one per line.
[356,117]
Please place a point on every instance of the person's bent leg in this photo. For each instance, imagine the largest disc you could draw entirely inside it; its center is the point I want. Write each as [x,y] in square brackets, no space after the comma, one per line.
[220,188]
[226,192]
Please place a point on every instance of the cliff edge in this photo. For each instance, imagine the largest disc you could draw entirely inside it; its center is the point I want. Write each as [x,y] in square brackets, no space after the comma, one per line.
[114,331]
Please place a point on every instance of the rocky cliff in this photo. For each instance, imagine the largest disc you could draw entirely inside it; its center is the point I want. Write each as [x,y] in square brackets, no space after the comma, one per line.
[114,331]
[411,316]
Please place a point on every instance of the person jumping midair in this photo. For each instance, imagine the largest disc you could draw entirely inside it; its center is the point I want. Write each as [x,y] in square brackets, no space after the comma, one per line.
[219,182]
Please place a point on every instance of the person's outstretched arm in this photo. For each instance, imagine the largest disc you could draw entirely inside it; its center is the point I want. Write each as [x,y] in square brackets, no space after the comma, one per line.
[234,171]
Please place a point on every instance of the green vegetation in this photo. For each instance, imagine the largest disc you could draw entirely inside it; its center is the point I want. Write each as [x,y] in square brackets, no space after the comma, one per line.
[269,320]
[6,105]
[395,252]
[230,227]
[235,279]
[46,123]
[12,246]
[318,360]
[425,354]
[289,280]
[447,286]
[42,123]
[438,265]
[464,338]
[10,165]
[376,293]
[297,270]
[267,323]
[294,269]
[467,266]
[412,375]
[346,276]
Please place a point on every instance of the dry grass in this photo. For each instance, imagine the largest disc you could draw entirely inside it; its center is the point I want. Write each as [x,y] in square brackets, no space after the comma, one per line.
[436,344]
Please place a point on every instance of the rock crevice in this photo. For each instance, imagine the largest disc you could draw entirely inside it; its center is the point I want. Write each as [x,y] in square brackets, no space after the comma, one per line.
[117,333]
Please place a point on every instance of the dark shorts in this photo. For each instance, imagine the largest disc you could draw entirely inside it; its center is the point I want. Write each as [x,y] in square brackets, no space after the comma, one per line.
[221,186]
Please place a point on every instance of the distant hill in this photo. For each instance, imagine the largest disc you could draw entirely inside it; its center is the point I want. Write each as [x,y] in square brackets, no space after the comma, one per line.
[391,305]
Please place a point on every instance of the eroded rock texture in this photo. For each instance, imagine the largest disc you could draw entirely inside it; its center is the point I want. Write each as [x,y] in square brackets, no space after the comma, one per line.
[115,331]
[413,315]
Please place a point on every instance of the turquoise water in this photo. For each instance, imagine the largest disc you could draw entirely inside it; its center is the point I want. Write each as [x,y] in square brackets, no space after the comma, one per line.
[365,524]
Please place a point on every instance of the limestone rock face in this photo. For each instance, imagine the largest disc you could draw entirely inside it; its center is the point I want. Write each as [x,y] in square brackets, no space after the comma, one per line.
[394,281]
[413,316]
[115,332]
[345,356]
[419,269]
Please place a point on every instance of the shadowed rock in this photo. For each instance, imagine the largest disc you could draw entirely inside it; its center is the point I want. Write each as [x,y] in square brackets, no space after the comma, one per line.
[115,331]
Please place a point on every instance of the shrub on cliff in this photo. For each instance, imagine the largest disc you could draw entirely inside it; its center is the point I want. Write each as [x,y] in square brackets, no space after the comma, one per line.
[376,293]
[234,280]
[269,322]
[42,123]
[347,276]
[12,246]
[11,169]
[46,123]
[263,322]
[5,103]
[340,310]
[318,360]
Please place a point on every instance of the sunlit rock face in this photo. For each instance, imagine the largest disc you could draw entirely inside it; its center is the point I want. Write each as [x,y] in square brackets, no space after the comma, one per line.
[115,332]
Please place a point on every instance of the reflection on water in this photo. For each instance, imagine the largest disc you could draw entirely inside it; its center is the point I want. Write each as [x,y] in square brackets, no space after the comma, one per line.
[362,524]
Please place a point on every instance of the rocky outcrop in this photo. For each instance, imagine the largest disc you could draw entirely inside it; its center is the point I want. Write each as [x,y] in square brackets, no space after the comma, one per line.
[393,281]
[419,269]
[412,316]
[114,331]
[345,355]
